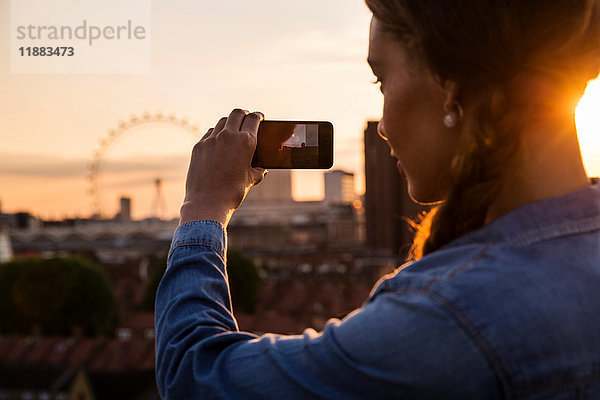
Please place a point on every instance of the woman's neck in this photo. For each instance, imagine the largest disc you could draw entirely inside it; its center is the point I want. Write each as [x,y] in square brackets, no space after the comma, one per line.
[548,164]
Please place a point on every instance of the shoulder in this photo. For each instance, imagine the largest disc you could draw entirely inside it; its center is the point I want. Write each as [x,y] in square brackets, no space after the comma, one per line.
[408,334]
[529,309]
[487,269]
[493,285]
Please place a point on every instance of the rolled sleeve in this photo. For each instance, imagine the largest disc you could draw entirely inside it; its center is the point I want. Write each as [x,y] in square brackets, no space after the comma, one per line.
[205,233]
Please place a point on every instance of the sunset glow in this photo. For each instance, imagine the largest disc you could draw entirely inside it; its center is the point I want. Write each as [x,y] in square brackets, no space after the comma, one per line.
[587,117]
[314,68]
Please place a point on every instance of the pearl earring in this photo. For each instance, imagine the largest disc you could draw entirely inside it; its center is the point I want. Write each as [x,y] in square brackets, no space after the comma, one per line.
[452,118]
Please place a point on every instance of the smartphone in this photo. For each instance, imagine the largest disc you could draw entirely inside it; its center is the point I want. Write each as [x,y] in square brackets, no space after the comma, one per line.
[294,145]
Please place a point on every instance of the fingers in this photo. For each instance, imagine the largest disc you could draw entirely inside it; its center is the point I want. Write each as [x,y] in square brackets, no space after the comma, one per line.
[238,120]
[216,129]
[220,125]
[208,133]
[235,119]
[251,122]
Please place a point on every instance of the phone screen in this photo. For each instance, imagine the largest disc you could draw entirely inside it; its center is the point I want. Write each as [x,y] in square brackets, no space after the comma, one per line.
[294,145]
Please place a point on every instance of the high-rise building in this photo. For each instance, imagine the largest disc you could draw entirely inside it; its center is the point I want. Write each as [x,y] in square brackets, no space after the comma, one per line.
[387,203]
[275,187]
[339,187]
[125,211]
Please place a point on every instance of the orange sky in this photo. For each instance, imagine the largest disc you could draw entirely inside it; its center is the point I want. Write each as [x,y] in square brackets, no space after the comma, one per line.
[207,58]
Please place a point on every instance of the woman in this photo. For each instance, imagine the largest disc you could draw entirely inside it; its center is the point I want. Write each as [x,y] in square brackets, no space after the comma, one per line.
[501,299]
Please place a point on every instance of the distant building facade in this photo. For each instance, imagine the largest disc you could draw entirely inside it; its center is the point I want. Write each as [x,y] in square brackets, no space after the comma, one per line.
[6,251]
[111,241]
[20,221]
[339,187]
[270,220]
[125,209]
[275,187]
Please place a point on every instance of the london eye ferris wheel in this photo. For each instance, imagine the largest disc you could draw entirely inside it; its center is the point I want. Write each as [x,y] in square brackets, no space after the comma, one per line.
[123,128]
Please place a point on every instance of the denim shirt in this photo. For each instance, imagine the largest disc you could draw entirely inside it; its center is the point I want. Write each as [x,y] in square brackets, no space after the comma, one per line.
[509,311]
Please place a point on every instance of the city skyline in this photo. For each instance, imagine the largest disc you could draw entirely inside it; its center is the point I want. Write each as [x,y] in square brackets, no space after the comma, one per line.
[313,68]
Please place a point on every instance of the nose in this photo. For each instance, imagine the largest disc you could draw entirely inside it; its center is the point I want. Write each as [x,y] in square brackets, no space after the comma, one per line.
[380,131]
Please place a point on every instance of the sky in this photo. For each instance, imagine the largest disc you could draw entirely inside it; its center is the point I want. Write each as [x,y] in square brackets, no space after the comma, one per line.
[291,60]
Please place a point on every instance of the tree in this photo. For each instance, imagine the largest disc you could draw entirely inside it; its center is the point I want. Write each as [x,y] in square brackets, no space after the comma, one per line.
[158,270]
[242,273]
[244,280]
[55,296]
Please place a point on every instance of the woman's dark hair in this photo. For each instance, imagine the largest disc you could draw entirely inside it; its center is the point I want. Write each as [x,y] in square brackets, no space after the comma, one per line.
[494,49]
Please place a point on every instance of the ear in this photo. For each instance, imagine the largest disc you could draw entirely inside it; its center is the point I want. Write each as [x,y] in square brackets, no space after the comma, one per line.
[452,92]
[453,100]
[453,111]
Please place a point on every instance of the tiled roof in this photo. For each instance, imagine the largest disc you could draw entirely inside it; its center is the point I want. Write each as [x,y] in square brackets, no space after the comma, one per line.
[121,355]
[40,363]
[287,306]
[139,321]
[292,305]
[108,354]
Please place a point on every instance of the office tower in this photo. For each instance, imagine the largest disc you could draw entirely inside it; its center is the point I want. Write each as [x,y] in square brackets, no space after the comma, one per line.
[276,186]
[125,211]
[339,187]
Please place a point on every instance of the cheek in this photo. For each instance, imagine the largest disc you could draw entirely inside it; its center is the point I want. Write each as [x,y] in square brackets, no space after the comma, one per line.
[406,104]
[394,118]
[398,102]
[404,120]
[418,137]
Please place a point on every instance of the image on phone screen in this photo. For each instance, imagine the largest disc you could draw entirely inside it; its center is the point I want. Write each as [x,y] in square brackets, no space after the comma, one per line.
[294,145]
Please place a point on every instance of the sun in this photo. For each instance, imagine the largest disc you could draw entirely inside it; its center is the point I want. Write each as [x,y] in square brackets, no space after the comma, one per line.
[587,118]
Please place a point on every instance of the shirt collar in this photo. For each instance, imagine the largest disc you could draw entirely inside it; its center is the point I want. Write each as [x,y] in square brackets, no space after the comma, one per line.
[575,212]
